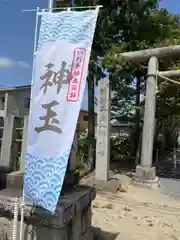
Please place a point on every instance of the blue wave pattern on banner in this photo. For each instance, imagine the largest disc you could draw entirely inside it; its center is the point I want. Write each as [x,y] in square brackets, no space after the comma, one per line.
[75,27]
[43,180]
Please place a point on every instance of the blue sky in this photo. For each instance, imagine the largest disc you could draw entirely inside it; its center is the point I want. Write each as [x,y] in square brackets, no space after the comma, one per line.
[172,5]
[16,38]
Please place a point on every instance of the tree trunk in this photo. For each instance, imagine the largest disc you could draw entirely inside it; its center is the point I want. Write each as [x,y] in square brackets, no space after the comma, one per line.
[91,124]
[137,133]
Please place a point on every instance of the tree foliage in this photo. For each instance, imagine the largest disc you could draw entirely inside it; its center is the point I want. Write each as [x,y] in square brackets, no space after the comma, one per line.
[130,25]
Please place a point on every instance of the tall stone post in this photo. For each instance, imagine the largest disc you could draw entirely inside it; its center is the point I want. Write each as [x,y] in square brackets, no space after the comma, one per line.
[145,171]
[103,131]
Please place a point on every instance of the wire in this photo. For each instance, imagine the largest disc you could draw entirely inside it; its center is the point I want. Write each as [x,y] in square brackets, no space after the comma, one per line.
[169,80]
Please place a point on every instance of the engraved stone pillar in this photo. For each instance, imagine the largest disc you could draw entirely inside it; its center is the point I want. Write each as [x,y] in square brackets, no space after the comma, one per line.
[103,131]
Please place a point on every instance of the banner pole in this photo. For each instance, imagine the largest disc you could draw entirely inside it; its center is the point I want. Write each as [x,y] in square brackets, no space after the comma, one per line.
[15,219]
[22,204]
[73,3]
[50,5]
[63,8]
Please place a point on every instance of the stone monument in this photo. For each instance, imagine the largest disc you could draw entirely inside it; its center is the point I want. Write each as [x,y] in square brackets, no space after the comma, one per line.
[103,131]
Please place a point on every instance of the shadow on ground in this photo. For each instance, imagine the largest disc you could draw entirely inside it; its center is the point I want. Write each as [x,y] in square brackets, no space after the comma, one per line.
[117,168]
[102,235]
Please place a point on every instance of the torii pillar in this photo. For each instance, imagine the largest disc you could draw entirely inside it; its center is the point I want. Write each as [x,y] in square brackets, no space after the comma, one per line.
[145,172]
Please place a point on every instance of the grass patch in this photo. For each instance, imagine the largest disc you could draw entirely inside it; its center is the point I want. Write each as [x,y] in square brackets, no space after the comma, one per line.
[95,205]
[108,206]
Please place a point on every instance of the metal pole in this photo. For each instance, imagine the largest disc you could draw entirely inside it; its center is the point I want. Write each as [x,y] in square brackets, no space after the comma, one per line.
[50,5]
[73,3]
[63,8]
[15,219]
[149,114]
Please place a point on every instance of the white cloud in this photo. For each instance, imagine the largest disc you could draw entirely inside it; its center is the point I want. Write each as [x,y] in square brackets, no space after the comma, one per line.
[9,63]
[5,62]
[22,64]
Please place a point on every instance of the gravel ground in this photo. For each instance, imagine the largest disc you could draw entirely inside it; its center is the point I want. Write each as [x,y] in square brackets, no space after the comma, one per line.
[138,213]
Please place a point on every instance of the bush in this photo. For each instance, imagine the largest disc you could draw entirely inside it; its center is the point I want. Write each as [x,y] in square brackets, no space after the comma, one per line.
[119,148]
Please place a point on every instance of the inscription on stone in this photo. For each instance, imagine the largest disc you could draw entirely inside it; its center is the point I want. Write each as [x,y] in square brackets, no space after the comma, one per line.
[102,147]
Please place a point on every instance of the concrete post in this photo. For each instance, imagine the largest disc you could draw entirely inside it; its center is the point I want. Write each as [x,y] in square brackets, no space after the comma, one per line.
[103,130]
[7,140]
[24,143]
[145,170]
[8,132]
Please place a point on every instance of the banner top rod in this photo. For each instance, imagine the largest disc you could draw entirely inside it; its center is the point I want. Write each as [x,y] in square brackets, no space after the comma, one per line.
[61,8]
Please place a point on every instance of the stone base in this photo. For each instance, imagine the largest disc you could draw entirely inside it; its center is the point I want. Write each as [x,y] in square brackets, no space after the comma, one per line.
[15,180]
[72,220]
[146,177]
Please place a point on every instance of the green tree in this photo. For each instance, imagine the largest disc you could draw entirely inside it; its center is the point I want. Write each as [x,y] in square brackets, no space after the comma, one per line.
[130,25]
[143,27]
[116,31]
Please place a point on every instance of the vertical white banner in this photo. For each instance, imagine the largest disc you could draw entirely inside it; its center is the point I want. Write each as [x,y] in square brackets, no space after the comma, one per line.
[61,67]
